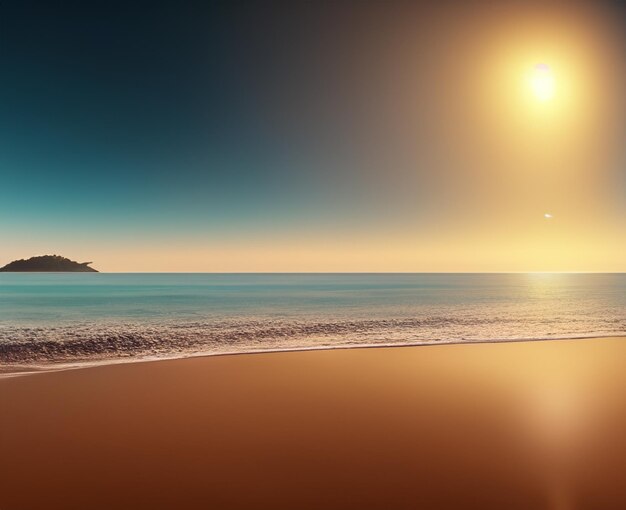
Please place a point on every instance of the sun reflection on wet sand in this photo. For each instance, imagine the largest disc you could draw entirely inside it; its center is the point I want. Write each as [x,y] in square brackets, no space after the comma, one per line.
[563,403]
[556,415]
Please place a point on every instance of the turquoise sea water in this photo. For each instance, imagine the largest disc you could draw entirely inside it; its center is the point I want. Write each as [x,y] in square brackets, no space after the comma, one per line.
[61,318]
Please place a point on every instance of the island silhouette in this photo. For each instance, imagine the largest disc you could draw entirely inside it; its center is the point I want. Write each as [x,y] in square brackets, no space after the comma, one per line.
[48,263]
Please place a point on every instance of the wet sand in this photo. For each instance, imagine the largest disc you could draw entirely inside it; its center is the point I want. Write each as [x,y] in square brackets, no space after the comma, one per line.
[532,425]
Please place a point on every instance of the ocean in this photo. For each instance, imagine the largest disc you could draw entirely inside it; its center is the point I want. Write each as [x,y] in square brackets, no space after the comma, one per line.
[59,320]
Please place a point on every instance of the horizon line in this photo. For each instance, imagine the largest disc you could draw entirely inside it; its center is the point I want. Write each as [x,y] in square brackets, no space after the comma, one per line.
[320,272]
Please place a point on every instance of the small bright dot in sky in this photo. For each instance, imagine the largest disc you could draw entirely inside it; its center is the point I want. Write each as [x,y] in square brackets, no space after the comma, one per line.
[542,82]
[547,215]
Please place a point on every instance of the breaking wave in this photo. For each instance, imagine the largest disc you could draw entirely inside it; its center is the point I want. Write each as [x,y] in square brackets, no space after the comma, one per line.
[90,342]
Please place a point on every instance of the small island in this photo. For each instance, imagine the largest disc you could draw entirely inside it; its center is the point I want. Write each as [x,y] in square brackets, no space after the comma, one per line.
[48,264]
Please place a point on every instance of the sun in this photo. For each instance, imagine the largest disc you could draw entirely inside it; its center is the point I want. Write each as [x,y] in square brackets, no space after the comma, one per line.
[542,82]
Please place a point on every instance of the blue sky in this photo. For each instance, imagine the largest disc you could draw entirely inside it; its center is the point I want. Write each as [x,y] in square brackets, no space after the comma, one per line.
[212,126]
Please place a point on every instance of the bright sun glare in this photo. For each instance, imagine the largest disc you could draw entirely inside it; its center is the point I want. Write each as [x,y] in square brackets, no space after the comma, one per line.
[542,82]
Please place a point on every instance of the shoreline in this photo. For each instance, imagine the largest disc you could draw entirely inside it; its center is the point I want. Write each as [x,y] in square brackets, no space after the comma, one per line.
[35,369]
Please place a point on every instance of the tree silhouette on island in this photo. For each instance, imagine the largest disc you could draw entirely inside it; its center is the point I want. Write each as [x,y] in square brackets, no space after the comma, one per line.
[48,263]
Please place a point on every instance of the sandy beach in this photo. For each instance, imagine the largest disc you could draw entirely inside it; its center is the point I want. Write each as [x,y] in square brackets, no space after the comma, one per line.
[531,425]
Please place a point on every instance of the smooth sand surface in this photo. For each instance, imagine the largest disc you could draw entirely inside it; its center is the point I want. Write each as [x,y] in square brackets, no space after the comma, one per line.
[533,425]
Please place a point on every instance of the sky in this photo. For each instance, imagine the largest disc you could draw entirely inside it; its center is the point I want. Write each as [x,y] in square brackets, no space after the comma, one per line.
[315,136]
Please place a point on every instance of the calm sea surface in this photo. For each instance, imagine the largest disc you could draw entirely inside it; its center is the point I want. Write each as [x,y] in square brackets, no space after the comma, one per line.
[73,318]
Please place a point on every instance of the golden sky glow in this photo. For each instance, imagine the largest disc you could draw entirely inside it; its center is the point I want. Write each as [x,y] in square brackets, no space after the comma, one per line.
[485,136]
